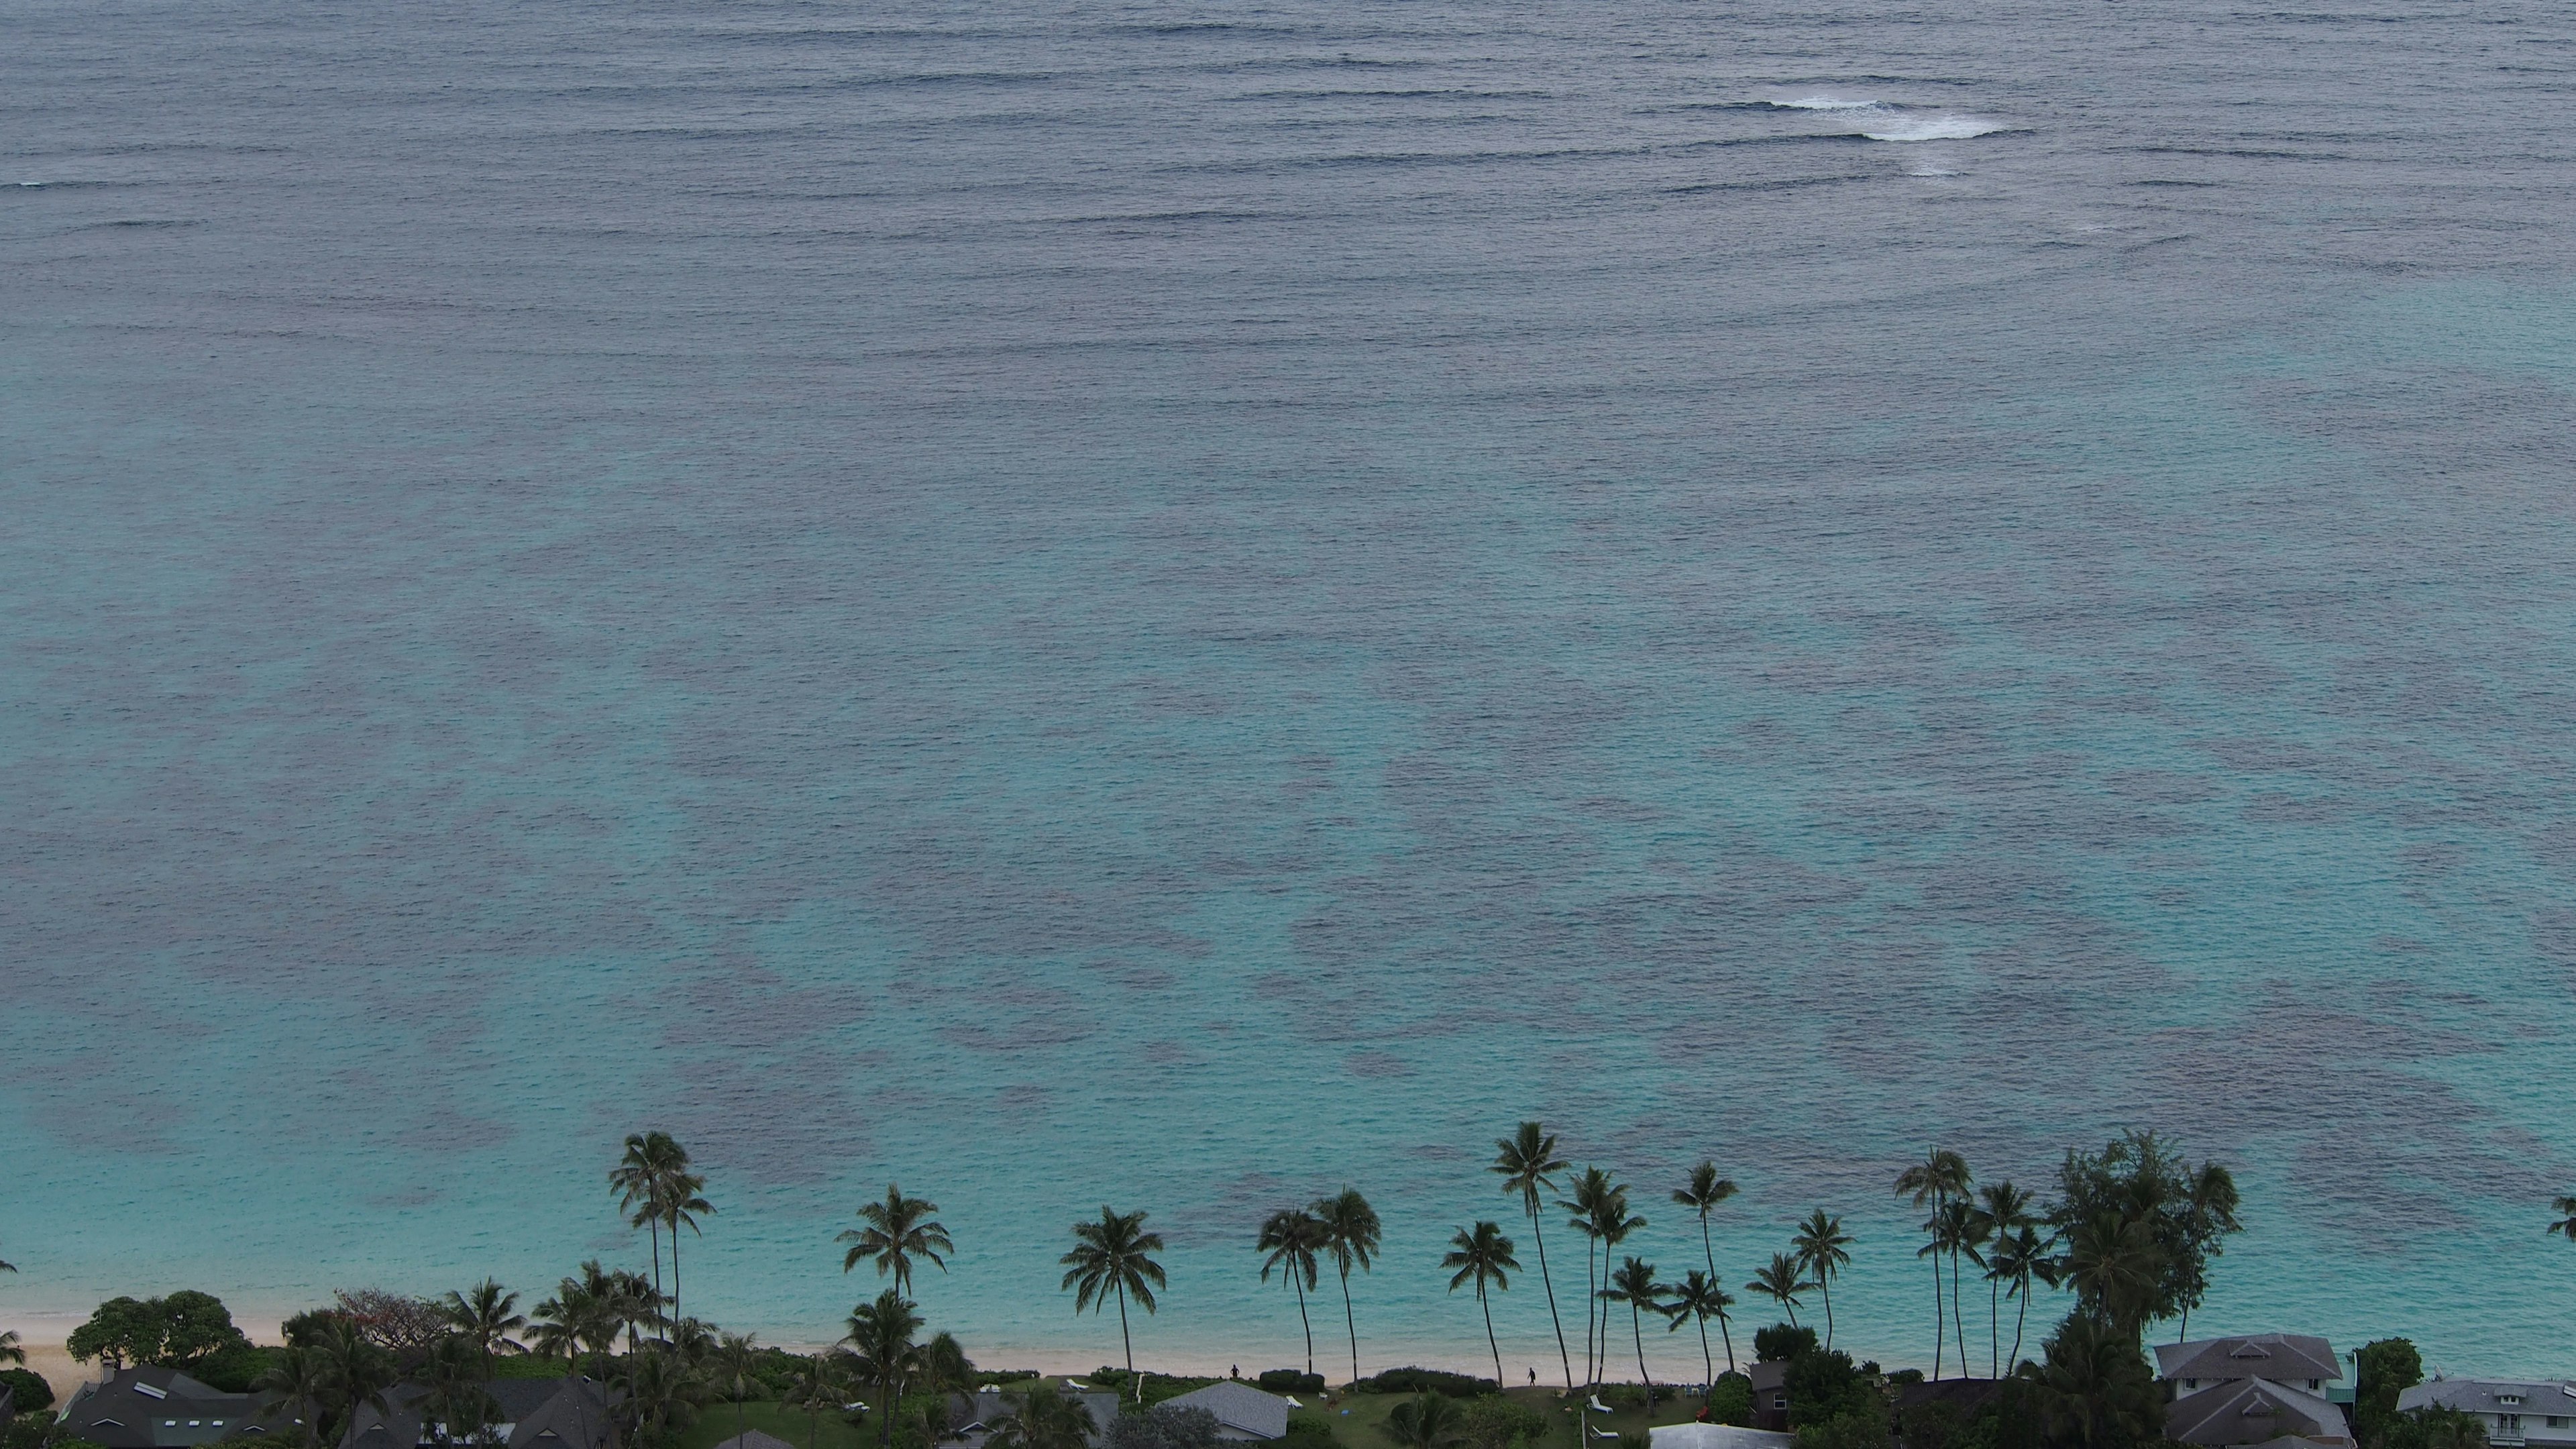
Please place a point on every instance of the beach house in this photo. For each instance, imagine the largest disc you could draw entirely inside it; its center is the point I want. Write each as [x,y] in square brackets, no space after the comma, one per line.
[564,1413]
[147,1407]
[2538,1413]
[2261,1389]
[1243,1413]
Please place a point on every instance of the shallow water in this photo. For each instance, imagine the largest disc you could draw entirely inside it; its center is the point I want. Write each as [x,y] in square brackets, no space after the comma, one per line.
[1185,605]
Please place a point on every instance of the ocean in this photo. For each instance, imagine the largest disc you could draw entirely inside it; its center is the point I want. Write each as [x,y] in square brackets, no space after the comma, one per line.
[1185,605]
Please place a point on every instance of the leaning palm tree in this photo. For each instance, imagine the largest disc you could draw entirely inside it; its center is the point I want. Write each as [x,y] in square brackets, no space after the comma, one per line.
[1702,1195]
[1426,1421]
[1697,1299]
[485,1315]
[1483,1256]
[1779,1282]
[1351,1234]
[651,1159]
[1941,1175]
[897,1231]
[736,1363]
[1114,1255]
[1582,1206]
[1526,1161]
[2006,1210]
[1634,1284]
[1292,1237]
[1965,1227]
[681,1203]
[2015,1261]
[1822,1249]
[1613,1224]
[881,1335]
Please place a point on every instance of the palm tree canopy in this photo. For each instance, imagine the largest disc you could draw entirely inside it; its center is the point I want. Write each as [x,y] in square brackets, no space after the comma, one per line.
[2005,1205]
[897,1231]
[1351,1228]
[1426,1421]
[1582,1205]
[1941,1174]
[1527,1161]
[1045,1420]
[676,1201]
[2565,1207]
[2115,1267]
[1779,1281]
[1634,1282]
[1292,1237]
[1966,1228]
[1822,1246]
[1483,1256]
[1111,1255]
[1705,1190]
[1697,1298]
[487,1314]
[1611,1221]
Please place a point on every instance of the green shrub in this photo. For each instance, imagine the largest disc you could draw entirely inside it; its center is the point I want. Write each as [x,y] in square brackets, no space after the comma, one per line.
[1290,1381]
[1410,1380]
[1780,1343]
[1824,1387]
[32,1392]
[1495,1422]
[1309,1430]
[1863,1426]
[234,1367]
[1730,1401]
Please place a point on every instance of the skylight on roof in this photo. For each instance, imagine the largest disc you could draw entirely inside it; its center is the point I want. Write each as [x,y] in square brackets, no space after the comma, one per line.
[148,1391]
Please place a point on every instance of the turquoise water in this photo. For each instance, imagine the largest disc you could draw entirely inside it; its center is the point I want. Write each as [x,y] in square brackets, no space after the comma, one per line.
[1182,607]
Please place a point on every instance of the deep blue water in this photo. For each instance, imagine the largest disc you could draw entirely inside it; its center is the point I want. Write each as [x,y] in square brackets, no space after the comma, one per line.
[1181,605]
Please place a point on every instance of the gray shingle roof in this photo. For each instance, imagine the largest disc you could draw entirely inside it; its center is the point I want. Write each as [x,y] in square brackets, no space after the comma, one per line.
[2275,1356]
[1239,1406]
[2252,1411]
[2486,1396]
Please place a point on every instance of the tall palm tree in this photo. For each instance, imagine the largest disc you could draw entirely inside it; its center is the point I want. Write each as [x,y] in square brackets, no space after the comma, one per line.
[1483,1256]
[1823,1250]
[661,1395]
[1526,1161]
[1045,1420]
[2015,1261]
[945,1367]
[456,1409]
[737,1371]
[356,1374]
[815,1386]
[1780,1283]
[1702,1195]
[898,1230]
[486,1316]
[1932,1182]
[297,1379]
[1966,1230]
[1582,1206]
[2095,1388]
[1114,1255]
[1634,1284]
[2115,1266]
[1698,1298]
[881,1334]
[1426,1421]
[2209,1213]
[1614,1224]
[2006,1210]
[681,1204]
[651,1158]
[1292,1237]
[1351,1234]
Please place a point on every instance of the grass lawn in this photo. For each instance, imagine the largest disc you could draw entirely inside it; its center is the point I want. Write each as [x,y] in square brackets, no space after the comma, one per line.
[716,1424]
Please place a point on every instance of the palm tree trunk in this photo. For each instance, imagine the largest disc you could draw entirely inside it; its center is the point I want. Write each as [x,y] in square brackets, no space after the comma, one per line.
[2020,1318]
[1940,1326]
[1637,1330]
[1824,1284]
[1352,1320]
[1300,1285]
[1123,1339]
[654,1227]
[1549,1283]
[1729,1335]
[1487,1304]
[1591,1315]
[675,1276]
[1958,1319]
[1707,1365]
[1994,1329]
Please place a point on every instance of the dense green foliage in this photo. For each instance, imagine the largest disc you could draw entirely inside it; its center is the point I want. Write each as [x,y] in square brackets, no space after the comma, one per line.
[2140,1225]
[1730,1401]
[180,1331]
[1781,1342]
[2382,1371]
[1823,1386]
[2433,1429]
[1309,1430]
[28,1390]
[1290,1381]
[1495,1422]
[1411,1380]
[1165,1426]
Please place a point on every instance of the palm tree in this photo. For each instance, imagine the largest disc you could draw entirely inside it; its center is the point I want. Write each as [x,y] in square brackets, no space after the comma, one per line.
[1114,1255]
[2210,1213]
[661,1395]
[1966,1230]
[1823,1250]
[1702,1195]
[1046,1420]
[1482,1255]
[815,1387]
[1780,1283]
[1699,1298]
[2115,1266]
[1351,1234]
[1292,1237]
[10,1349]
[2006,1210]
[680,1203]
[568,1323]
[1426,1421]
[1614,1224]
[881,1335]
[456,1408]
[356,1374]
[1933,1181]
[486,1316]
[651,1159]
[2095,1388]
[2016,1260]
[297,1379]
[1526,1161]
[898,1230]
[1582,1206]
[1634,1284]
[2565,1207]
[737,1365]
[945,1367]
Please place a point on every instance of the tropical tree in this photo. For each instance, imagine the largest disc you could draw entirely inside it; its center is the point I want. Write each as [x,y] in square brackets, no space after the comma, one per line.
[881,1338]
[572,1322]
[651,1159]
[486,1316]
[11,1351]
[2188,1212]
[298,1379]
[1634,1284]
[1115,1255]
[1781,1283]
[1582,1207]
[1526,1161]
[1483,1256]
[1965,1230]
[1292,1237]
[1932,1182]
[681,1203]
[2116,1268]
[898,1230]
[737,1371]
[1823,1250]
[455,1407]
[816,1385]
[356,1373]
[1702,1195]
[2565,1207]
[1426,1421]
[2095,1390]
[945,1367]
[2005,1209]
[1045,1420]
[660,1395]
[1699,1298]
[2209,1215]
[1351,1234]
[2016,1260]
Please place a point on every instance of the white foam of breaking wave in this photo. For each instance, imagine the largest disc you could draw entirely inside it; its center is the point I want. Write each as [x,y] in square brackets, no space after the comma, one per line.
[1935,128]
[1825,103]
